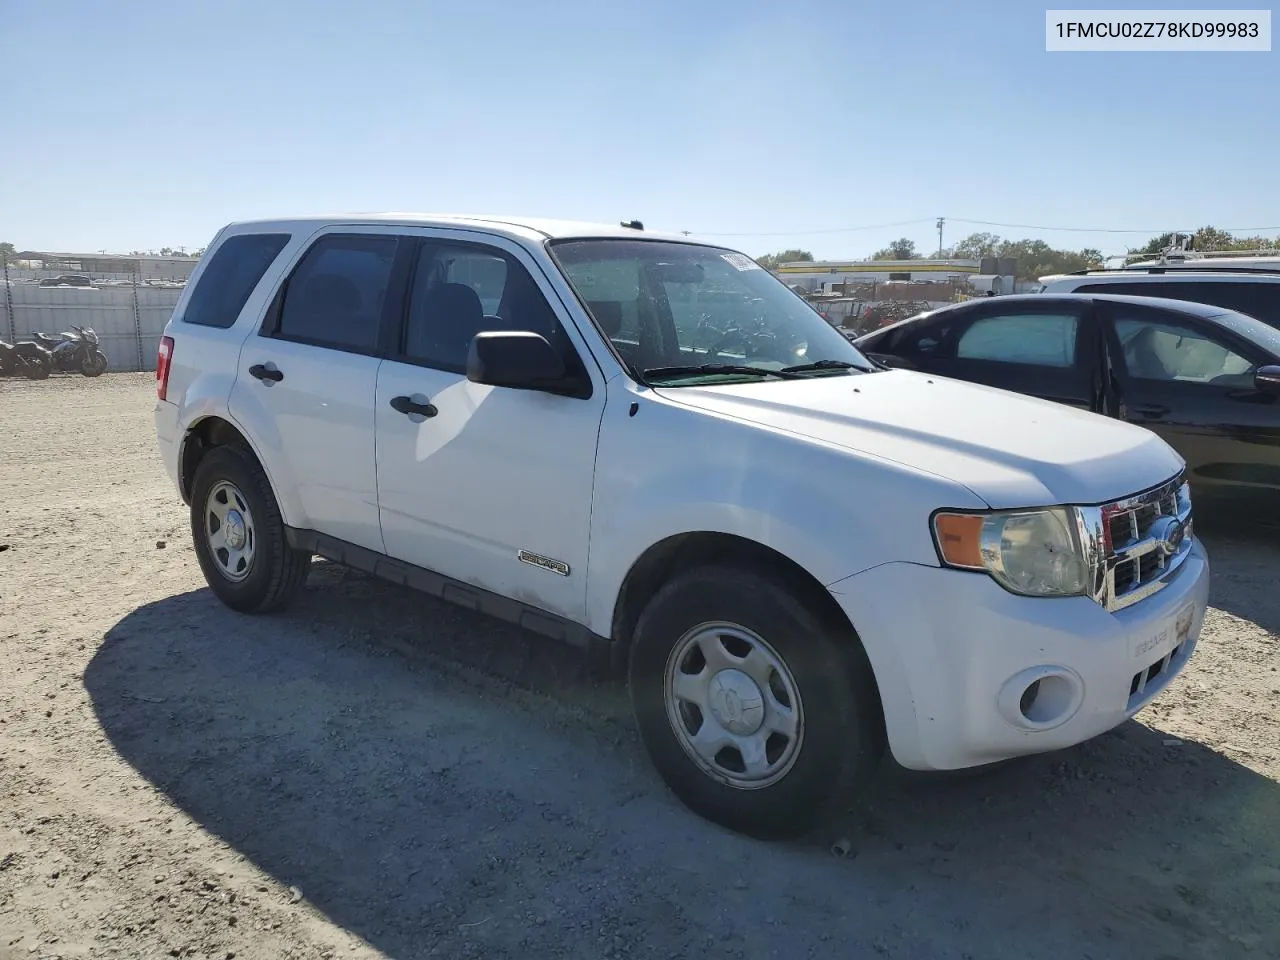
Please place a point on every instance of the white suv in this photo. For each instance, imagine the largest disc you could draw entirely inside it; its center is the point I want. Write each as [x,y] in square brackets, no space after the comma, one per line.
[1254,290]
[651,446]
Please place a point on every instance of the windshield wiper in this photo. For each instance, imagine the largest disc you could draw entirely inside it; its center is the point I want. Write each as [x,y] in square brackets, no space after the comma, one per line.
[711,369]
[824,365]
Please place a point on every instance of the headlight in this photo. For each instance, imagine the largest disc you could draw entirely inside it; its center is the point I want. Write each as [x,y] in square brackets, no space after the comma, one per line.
[1036,553]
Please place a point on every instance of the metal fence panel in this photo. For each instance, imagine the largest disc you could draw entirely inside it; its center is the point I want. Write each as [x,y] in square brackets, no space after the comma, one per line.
[128,318]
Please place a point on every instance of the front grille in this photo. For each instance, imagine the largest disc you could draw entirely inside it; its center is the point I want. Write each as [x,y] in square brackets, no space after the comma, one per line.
[1147,539]
[1127,526]
[1147,683]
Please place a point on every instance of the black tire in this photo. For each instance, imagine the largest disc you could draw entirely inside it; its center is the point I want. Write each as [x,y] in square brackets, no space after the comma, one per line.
[843,738]
[277,572]
[38,368]
[95,364]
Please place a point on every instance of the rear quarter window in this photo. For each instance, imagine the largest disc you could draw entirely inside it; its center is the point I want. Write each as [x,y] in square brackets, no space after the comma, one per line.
[230,276]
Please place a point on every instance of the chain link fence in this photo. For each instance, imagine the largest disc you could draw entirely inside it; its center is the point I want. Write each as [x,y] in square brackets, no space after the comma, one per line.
[128,311]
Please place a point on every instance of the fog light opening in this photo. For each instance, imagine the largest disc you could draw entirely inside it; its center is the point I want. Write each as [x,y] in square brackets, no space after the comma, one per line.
[1028,698]
[1047,700]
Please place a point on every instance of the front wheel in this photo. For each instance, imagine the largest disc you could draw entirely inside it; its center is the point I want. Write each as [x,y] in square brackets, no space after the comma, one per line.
[757,711]
[239,534]
[94,365]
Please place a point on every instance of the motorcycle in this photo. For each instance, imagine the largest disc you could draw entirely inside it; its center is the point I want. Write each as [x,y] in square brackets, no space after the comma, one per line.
[26,359]
[75,352]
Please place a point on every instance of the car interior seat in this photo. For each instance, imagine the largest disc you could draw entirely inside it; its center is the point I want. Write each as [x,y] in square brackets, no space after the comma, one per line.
[444,322]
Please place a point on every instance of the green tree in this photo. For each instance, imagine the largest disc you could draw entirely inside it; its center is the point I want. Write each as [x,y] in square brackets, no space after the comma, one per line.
[901,249]
[7,250]
[1037,259]
[976,246]
[1155,245]
[1207,239]
[771,261]
[1211,238]
[1254,243]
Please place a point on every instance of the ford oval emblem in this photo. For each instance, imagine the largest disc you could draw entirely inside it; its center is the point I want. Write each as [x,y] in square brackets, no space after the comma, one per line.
[1168,533]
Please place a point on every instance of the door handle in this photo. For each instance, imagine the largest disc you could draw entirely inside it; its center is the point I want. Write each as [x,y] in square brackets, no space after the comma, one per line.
[266,373]
[1152,410]
[407,406]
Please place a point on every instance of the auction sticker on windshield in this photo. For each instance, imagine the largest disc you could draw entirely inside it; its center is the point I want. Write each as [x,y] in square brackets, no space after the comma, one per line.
[740,261]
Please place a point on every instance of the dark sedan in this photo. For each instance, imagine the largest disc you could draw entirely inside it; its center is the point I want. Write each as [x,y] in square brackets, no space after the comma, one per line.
[1205,379]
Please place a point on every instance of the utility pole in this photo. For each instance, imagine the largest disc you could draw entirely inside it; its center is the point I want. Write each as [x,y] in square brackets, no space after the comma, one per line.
[941,221]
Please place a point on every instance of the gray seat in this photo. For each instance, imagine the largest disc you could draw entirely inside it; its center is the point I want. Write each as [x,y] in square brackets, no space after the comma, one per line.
[1143,359]
[444,322]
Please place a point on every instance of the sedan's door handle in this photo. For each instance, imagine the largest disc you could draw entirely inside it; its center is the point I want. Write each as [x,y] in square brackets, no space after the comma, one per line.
[266,373]
[1152,410]
[407,406]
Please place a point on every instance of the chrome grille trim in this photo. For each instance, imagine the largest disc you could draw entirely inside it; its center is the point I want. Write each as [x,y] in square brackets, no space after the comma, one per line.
[1156,537]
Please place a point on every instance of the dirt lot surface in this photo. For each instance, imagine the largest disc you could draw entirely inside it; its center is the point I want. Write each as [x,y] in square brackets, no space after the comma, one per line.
[377,774]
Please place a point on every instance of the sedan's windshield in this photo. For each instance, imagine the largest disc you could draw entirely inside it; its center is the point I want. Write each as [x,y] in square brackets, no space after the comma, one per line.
[686,313]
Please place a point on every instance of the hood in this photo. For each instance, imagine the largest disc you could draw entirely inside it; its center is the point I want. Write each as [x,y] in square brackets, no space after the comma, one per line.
[1008,449]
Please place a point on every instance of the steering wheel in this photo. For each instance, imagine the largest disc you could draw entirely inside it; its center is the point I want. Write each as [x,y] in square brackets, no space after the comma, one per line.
[750,340]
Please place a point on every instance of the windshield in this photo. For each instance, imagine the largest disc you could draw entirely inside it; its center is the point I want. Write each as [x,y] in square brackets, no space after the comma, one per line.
[684,313]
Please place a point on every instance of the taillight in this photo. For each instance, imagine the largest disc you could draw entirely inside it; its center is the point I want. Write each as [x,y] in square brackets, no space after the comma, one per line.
[163,359]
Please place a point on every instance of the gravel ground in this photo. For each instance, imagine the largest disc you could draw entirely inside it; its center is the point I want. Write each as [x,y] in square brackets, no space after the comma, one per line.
[377,774]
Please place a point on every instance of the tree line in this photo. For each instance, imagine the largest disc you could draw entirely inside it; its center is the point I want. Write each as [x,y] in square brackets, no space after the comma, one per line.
[1037,258]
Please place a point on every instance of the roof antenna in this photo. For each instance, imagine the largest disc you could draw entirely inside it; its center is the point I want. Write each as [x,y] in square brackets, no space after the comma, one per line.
[631,224]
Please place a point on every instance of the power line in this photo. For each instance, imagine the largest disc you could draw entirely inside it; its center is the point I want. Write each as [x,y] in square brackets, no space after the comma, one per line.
[1039,226]
[979,223]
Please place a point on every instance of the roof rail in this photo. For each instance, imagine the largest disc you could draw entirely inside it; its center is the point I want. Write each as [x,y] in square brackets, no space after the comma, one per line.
[1171,269]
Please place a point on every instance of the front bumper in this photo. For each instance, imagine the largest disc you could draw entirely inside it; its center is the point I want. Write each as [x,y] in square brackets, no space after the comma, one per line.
[954,655]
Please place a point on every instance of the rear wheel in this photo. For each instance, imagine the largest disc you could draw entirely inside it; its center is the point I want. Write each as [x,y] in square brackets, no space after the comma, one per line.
[239,534]
[756,711]
[37,368]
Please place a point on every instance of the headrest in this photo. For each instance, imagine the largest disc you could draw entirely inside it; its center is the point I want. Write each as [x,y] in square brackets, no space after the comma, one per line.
[454,300]
[608,314]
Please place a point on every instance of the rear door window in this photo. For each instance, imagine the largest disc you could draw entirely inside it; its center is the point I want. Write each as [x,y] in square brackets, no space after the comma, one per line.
[1038,339]
[334,297]
[230,276]
[1042,349]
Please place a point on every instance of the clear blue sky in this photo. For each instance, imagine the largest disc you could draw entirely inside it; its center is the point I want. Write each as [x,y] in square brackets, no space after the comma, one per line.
[145,123]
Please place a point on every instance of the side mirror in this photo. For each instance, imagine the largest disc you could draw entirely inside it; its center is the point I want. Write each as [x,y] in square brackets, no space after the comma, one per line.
[1267,379]
[517,359]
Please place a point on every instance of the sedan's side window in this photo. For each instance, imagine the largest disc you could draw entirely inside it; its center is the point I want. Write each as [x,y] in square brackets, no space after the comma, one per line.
[334,296]
[461,289]
[1032,339]
[1168,349]
[929,339]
